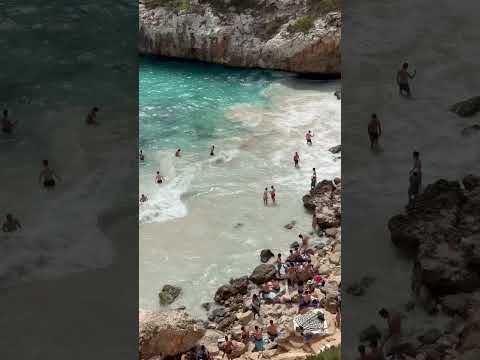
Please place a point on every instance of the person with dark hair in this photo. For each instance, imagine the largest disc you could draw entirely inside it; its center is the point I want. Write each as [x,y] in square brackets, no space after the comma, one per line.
[374,131]
[296,159]
[7,124]
[265,197]
[228,347]
[48,176]
[177,153]
[272,331]
[258,335]
[256,304]
[417,166]
[273,194]
[362,353]
[413,188]
[245,335]
[308,137]
[11,224]
[403,77]
[141,156]
[92,117]
[202,354]
[212,150]
[394,321]
[159,179]
[313,181]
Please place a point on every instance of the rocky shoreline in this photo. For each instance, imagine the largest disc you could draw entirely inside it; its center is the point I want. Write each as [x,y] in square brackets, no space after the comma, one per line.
[441,233]
[168,334]
[289,35]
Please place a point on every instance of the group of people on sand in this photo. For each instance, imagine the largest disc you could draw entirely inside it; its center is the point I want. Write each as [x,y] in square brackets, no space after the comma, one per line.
[374,129]
[388,345]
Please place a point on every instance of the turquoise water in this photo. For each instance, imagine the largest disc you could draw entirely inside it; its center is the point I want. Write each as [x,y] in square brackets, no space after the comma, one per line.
[207,222]
[183,104]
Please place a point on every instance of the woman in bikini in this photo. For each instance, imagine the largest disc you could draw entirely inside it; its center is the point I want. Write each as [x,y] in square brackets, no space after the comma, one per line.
[48,176]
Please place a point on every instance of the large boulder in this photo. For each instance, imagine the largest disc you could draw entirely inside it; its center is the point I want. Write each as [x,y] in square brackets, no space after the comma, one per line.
[263,273]
[167,333]
[266,255]
[467,107]
[234,288]
[169,294]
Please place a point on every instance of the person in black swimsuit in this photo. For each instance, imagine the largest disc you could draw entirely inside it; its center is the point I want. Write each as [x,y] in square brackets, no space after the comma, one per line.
[48,176]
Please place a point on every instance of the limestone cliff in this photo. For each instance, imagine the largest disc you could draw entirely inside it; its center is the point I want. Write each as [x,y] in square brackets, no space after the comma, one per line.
[301,36]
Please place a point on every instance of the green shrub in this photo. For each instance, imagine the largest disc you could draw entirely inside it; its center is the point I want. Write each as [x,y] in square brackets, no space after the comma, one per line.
[330,354]
[171,4]
[303,24]
[321,7]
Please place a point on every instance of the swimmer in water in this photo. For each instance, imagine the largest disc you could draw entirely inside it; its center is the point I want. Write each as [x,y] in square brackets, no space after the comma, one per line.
[296,159]
[141,156]
[48,176]
[177,153]
[143,198]
[212,150]
[308,137]
[265,197]
[159,178]
[7,124]
[403,77]
[374,131]
[92,117]
[273,194]
[11,224]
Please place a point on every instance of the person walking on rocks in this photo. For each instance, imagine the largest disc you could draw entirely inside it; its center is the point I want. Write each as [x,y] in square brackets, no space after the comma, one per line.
[265,197]
[228,348]
[296,159]
[403,77]
[256,304]
[374,131]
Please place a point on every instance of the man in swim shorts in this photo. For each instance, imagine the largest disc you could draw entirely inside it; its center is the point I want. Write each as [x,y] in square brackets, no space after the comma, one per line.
[403,77]
[11,224]
[374,131]
[273,194]
[159,178]
[7,124]
[296,159]
[308,137]
[141,156]
[265,197]
[177,153]
[48,176]
[212,150]
[92,117]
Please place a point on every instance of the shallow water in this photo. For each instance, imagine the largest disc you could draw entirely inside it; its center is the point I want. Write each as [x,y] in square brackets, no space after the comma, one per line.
[207,223]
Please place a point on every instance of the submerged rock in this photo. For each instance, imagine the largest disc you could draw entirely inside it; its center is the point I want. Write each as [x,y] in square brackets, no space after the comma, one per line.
[266,255]
[335,149]
[467,108]
[169,294]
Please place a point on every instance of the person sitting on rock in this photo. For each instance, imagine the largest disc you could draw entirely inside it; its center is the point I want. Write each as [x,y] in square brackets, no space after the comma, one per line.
[256,304]
[272,331]
[276,285]
[258,335]
[228,347]
[11,224]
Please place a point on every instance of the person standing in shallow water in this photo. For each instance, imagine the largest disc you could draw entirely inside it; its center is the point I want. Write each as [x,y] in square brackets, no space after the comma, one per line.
[374,131]
[177,153]
[413,188]
[11,224]
[417,166]
[403,77]
[273,194]
[7,124]
[212,150]
[92,117]
[296,159]
[313,181]
[308,137]
[265,197]
[141,156]
[48,176]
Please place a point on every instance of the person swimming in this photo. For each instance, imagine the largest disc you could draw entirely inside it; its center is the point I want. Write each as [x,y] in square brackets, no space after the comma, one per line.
[92,117]
[11,224]
[143,198]
[212,150]
[159,179]
[308,137]
[48,176]
[7,124]
[403,77]
[177,153]
[141,156]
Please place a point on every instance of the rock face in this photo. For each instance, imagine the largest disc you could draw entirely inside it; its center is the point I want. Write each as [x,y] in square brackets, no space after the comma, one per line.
[169,294]
[263,273]
[467,108]
[444,232]
[167,333]
[266,255]
[251,34]
[325,202]
[235,287]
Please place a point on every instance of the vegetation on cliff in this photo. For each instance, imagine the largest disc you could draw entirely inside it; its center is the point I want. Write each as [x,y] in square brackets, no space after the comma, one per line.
[330,354]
